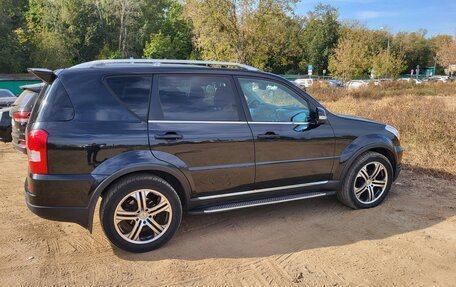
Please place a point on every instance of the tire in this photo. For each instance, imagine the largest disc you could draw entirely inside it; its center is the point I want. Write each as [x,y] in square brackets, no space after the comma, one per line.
[371,192]
[131,226]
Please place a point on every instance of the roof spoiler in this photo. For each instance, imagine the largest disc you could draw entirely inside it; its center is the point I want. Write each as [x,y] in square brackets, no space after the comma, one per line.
[45,75]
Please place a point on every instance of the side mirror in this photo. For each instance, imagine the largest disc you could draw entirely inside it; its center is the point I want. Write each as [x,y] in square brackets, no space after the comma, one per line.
[321,116]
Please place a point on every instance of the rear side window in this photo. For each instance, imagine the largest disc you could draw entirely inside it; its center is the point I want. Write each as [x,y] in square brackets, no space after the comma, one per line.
[25,100]
[54,105]
[133,91]
[197,98]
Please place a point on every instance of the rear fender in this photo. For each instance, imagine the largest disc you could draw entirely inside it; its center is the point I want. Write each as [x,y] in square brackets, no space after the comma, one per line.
[127,163]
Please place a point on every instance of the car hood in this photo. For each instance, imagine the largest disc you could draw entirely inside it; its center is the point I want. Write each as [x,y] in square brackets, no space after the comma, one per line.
[359,119]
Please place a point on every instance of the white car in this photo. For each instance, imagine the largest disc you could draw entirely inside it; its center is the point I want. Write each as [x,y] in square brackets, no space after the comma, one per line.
[356,84]
[306,83]
[410,80]
[442,79]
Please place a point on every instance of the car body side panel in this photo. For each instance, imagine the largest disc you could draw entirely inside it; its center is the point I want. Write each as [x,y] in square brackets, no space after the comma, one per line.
[355,136]
[216,157]
[303,153]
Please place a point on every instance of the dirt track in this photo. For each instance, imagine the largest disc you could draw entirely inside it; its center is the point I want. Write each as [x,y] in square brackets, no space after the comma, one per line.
[408,240]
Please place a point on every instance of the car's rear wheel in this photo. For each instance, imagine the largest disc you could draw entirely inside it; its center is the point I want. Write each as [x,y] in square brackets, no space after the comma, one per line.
[367,182]
[140,213]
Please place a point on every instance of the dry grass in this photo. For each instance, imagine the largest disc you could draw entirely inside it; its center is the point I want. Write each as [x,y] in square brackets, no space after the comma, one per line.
[424,115]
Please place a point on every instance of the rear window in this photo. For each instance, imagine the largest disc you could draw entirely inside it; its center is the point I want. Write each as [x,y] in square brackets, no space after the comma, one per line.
[5,94]
[133,91]
[25,100]
[53,106]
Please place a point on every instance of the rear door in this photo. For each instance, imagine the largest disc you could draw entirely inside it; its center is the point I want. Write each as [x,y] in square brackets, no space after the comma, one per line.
[289,148]
[197,124]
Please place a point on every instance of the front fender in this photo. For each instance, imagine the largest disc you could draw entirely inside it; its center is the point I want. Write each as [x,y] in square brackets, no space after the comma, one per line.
[126,163]
[359,146]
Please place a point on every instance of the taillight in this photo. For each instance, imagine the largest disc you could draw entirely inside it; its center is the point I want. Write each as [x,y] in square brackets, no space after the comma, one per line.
[37,151]
[21,117]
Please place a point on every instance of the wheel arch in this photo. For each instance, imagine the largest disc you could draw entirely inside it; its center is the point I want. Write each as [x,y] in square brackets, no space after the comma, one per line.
[174,177]
[375,143]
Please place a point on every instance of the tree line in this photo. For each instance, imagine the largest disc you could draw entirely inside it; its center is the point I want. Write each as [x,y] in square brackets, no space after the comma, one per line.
[267,34]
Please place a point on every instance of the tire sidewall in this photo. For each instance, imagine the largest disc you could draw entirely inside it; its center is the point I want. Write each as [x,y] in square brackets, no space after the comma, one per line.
[357,167]
[110,204]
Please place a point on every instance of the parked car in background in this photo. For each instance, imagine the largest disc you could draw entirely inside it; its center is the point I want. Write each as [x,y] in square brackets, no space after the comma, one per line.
[6,98]
[356,84]
[441,79]
[20,113]
[304,83]
[335,83]
[153,139]
[410,80]
[5,125]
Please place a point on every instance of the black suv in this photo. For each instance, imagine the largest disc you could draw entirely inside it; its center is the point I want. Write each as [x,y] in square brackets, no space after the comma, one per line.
[156,138]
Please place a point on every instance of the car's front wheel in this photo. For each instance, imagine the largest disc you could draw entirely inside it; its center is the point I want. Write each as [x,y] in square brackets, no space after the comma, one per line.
[367,182]
[140,213]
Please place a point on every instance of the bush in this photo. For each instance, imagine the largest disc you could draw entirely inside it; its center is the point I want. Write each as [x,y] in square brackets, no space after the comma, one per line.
[425,115]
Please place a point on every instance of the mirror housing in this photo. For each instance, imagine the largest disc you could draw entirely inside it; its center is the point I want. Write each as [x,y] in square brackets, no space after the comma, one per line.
[321,116]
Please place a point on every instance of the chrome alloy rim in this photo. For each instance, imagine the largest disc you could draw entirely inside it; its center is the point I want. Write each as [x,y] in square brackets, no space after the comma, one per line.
[142,216]
[370,182]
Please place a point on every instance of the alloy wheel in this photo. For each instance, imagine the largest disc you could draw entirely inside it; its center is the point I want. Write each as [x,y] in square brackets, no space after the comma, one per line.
[370,182]
[142,216]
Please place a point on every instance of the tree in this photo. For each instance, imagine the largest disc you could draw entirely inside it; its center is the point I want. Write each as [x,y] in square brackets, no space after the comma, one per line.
[174,39]
[13,52]
[81,30]
[159,47]
[417,50]
[319,37]
[63,32]
[351,57]
[387,64]
[251,32]
[446,52]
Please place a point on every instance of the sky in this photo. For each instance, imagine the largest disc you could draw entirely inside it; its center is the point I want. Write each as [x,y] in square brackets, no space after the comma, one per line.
[436,16]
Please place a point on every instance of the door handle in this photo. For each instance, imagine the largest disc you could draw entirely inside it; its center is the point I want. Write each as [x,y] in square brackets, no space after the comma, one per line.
[269,135]
[169,136]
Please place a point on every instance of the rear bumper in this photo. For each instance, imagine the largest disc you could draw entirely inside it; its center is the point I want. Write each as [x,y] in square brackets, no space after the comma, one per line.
[19,147]
[66,214]
[59,197]
[18,139]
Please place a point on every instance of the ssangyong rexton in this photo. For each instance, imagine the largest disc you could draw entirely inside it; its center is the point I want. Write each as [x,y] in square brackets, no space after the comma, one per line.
[153,139]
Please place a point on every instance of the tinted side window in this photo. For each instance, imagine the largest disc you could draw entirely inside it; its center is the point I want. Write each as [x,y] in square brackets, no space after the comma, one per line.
[133,91]
[55,105]
[197,98]
[39,100]
[269,101]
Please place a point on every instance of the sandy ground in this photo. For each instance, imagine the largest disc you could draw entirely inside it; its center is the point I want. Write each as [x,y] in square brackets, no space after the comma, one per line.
[410,240]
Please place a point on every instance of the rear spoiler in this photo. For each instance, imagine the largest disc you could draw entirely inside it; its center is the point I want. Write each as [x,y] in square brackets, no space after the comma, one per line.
[45,75]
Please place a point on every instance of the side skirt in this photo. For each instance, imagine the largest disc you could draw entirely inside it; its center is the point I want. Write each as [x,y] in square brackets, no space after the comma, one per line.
[259,202]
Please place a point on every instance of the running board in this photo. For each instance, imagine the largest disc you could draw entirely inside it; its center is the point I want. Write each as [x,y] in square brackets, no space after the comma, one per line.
[259,202]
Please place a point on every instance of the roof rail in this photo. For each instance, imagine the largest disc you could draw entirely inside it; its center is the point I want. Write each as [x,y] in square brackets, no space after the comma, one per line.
[159,62]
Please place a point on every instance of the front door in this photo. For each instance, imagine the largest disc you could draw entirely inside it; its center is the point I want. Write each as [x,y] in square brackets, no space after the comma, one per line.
[196,123]
[289,149]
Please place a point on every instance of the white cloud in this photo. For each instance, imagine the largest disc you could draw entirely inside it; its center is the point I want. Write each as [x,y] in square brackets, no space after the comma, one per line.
[370,14]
